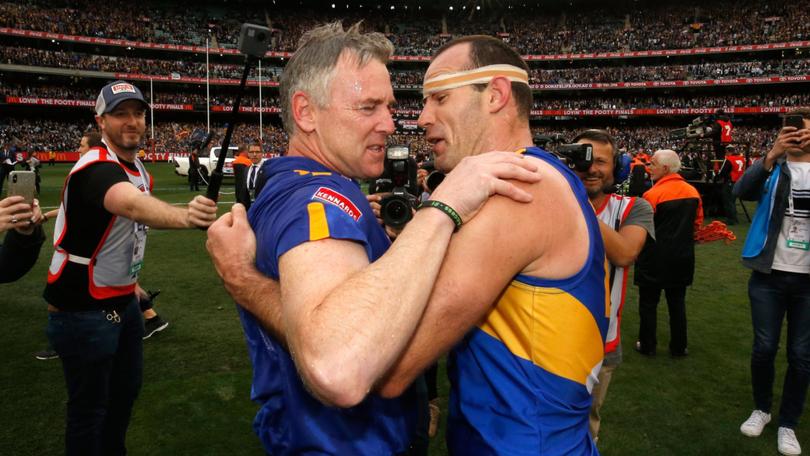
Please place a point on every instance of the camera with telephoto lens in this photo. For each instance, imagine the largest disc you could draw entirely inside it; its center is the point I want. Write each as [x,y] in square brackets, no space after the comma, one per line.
[578,157]
[398,179]
[702,127]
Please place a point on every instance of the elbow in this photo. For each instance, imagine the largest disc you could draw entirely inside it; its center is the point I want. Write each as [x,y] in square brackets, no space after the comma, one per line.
[333,383]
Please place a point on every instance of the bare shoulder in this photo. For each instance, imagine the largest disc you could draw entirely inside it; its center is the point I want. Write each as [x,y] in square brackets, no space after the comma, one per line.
[555,223]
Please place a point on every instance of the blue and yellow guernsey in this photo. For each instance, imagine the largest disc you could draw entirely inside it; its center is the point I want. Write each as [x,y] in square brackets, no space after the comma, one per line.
[521,380]
[304,201]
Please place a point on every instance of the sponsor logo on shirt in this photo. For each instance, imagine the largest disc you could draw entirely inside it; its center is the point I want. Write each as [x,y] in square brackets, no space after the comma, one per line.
[330,196]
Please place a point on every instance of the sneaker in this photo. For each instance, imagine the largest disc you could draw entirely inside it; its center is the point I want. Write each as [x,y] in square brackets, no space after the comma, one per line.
[153,325]
[787,443]
[45,355]
[435,412]
[755,423]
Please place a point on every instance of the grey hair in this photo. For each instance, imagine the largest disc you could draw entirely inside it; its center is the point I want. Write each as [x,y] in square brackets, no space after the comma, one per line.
[669,158]
[312,67]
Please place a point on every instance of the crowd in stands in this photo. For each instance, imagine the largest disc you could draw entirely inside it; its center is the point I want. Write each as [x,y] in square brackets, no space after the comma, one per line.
[756,140]
[92,62]
[704,70]
[532,29]
[44,135]
[414,102]
[407,78]
[675,101]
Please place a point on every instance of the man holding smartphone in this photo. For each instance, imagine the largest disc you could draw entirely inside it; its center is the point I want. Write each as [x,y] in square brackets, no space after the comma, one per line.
[777,250]
[94,321]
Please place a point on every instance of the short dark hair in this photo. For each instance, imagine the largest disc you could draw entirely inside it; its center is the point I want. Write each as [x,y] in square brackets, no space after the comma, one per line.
[599,136]
[804,112]
[93,139]
[487,50]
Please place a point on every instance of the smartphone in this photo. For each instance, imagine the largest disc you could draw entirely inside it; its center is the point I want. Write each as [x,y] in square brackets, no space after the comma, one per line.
[22,183]
[793,121]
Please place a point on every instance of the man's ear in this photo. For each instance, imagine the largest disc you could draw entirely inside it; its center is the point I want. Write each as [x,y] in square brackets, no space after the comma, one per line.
[100,123]
[500,92]
[303,111]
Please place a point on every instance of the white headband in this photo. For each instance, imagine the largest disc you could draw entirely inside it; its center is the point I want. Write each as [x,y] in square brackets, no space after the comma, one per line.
[482,75]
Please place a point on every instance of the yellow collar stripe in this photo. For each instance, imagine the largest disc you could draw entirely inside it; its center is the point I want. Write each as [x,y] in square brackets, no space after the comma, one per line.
[481,75]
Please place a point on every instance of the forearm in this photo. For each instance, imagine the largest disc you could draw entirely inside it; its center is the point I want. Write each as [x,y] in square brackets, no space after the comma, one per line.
[260,296]
[357,332]
[18,253]
[617,250]
[154,213]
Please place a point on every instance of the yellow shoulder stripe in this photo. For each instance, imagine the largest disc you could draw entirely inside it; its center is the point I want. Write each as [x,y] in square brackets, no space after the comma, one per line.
[318,226]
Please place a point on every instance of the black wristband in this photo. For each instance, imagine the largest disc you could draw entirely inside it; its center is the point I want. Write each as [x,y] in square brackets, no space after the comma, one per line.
[444,208]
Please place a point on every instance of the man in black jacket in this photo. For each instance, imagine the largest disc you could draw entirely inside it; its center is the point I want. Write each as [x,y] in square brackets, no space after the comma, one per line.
[668,262]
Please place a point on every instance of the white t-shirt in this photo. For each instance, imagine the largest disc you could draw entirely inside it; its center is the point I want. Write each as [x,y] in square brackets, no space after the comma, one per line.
[793,246]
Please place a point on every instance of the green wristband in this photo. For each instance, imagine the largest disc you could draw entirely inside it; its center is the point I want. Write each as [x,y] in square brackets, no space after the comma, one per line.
[446,209]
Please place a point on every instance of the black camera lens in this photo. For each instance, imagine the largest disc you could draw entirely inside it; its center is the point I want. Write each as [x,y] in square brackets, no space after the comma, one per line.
[395,211]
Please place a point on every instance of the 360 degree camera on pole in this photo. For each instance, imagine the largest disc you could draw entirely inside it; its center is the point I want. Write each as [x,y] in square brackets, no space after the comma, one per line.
[253,41]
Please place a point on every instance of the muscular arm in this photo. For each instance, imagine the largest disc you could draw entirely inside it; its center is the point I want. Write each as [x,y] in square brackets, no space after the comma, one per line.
[348,320]
[124,200]
[481,261]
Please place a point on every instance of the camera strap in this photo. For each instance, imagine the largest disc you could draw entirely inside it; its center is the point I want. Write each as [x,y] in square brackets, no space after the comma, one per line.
[482,75]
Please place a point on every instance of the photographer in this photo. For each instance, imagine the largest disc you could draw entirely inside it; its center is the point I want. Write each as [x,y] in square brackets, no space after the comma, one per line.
[625,222]
[24,239]
[776,251]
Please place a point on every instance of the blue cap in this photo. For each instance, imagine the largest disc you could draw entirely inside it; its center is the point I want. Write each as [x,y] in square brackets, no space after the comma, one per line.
[114,93]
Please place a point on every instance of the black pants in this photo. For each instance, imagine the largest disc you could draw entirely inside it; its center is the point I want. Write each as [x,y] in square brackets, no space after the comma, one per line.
[729,203]
[102,359]
[648,298]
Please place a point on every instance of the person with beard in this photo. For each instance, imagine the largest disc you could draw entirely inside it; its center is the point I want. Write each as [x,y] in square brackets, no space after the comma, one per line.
[94,321]
[344,304]
[625,223]
[519,293]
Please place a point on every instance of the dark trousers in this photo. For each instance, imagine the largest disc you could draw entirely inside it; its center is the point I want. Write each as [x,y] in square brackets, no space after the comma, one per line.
[102,359]
[648,298]
[729,203]
[774,296]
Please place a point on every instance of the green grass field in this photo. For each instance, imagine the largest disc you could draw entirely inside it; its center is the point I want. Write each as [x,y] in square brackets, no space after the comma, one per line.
[195,398]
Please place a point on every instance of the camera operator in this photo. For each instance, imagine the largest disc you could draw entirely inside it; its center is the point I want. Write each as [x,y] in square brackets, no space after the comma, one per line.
[776,251]
[24,239]
[625,222]
[94,320]
[730,171]
[722,136]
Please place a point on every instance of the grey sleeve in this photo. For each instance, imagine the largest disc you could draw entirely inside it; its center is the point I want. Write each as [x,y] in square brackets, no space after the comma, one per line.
[641,214]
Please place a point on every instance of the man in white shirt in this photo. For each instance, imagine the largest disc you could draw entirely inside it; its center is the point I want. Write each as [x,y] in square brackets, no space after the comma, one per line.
[777,249]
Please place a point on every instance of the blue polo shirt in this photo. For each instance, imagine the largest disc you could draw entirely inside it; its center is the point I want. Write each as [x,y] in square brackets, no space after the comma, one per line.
[304,201]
